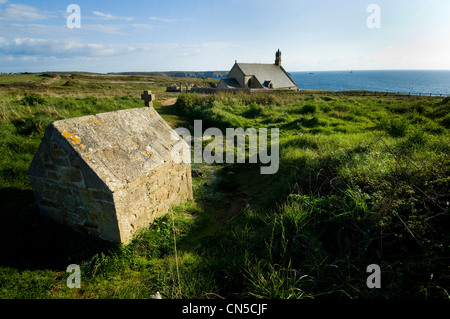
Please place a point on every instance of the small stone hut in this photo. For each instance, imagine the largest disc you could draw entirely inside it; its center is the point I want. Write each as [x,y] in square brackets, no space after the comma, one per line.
[110,174]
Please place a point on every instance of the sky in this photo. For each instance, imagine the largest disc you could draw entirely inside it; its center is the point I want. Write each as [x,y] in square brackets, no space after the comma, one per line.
[210,35]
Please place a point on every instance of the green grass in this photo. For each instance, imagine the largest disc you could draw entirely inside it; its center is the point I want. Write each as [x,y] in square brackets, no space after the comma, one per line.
[362,180]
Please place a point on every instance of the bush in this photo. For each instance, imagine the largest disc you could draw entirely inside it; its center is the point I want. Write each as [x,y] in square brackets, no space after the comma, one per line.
[186,103]
[32,99]
[446,121]
[325,108]
[31,125]
[69,83]
[445,101]
[310,122]
[308,109]
[414,139]
[254,111]
[397,127]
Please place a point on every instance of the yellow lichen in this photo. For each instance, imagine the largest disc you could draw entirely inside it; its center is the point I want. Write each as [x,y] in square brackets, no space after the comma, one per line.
[65,134]
[75,139]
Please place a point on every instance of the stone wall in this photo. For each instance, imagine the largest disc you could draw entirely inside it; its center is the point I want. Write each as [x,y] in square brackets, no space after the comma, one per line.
[236,73]
[67,190]
[149,197]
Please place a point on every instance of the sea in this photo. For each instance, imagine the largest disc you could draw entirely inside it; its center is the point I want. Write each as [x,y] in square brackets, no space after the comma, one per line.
[413,82]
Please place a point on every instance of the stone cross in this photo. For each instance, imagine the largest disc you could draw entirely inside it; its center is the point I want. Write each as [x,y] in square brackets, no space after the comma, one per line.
[148,98]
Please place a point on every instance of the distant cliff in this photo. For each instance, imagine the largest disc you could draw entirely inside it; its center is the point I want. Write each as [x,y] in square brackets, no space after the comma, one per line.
[180,74]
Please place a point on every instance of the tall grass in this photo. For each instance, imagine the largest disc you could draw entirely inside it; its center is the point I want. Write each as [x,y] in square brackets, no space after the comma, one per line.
[362,180]
[354,187]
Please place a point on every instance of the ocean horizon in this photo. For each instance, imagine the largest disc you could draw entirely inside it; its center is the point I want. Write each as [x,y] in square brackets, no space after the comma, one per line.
[426,82]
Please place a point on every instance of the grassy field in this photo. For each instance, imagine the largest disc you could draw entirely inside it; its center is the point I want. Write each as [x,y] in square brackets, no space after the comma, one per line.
[362,180]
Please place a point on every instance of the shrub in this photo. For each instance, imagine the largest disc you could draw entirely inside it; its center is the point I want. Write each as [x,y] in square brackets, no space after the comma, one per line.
[69,83]
[31,124]
[310,122]
[414,139]
[32,99]
[308,109]
[186,103]
[254,111]
[397,127]
[446,121]
[445,101]
[267,99]
[325,108]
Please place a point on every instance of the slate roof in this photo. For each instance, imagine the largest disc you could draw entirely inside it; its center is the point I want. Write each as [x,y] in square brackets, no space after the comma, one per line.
[265,73]
[231,83]
[118,146]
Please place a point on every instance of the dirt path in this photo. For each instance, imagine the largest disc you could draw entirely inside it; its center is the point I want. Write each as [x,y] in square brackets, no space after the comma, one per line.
[234,210]
[169,101]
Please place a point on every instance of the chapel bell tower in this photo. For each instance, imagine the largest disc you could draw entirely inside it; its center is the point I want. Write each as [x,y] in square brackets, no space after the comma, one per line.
[278,58]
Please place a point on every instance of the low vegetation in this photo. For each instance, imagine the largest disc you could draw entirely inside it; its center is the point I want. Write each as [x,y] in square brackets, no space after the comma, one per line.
[362,180]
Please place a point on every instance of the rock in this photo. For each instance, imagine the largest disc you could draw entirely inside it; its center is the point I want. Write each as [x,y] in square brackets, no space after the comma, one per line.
[197,172]
[156,296]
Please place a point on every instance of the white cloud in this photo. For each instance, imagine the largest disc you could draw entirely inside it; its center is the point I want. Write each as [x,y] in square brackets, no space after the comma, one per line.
[162,19]
[104,28]
[68,48]
[17,30]
[3,1]
[140,26]
[22,12]
[201,48]
[37,54]
[108,16]
[34,30]
[76,48]
[166,20]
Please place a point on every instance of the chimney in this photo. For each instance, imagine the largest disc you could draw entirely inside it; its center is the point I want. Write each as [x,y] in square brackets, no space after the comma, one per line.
[278,58]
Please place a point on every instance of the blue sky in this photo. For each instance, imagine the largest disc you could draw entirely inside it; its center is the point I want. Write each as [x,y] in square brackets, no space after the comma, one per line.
[137,35]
